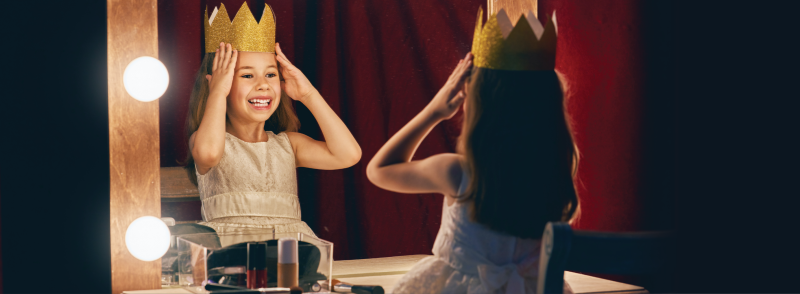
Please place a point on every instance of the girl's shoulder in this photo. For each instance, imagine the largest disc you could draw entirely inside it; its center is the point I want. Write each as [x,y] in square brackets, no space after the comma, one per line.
[284,139]
[295,138]
[290,137]
[283,135]
[449,168]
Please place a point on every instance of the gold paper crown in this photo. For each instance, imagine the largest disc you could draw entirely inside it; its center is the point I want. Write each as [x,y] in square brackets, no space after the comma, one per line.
[244,33]
[526,46]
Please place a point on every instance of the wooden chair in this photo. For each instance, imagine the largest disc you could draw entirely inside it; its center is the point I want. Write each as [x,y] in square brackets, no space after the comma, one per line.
[179,197]
[176,187]
[645,253]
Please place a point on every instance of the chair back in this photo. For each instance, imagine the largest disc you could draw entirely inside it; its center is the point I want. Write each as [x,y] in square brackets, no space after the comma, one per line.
[640,253]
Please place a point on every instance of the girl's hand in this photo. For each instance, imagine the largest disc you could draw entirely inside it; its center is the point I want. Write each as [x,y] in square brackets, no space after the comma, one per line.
[446,103]
[221,77]
[294,83]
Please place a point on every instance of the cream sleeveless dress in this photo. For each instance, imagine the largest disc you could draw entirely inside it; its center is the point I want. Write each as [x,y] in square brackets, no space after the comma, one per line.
[254,186]
[471,258]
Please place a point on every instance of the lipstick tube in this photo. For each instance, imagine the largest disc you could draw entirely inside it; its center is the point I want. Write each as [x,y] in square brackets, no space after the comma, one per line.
[256,265]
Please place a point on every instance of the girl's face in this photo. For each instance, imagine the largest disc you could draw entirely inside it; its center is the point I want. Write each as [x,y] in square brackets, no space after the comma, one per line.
[256,88]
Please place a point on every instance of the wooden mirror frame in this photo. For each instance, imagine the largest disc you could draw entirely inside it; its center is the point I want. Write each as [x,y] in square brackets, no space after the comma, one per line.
[133,141]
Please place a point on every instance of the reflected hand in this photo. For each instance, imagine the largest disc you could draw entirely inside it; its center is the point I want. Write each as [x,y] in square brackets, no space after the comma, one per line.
[294,84]
[221,77]
[447,101]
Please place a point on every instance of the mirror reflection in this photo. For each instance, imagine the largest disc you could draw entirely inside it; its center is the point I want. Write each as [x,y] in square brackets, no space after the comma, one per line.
[330,92]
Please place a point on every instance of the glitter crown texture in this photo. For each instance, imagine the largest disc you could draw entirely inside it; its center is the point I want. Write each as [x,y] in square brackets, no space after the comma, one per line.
[526,46]
[243,33]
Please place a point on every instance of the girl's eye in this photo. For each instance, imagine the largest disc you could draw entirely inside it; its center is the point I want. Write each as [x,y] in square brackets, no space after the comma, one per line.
[247,76]
[271,75]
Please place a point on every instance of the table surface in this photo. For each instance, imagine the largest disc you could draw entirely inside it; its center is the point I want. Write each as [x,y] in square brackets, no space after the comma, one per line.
[386,271]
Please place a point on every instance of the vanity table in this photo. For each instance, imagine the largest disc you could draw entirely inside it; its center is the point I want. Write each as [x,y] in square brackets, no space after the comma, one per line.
[386,271]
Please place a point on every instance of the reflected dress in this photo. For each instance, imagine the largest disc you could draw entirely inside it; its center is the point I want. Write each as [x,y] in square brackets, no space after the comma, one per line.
[254,186]
[471,258]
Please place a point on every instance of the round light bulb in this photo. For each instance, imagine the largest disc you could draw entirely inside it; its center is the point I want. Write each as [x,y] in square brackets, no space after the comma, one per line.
[147,238]
[145,78]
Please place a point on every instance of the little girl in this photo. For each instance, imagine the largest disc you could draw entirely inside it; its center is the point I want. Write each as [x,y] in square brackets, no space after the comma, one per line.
[243,140]
[512,173]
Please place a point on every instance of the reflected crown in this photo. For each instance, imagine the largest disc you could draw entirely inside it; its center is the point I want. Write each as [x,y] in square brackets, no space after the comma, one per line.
[243,33]
[527,46]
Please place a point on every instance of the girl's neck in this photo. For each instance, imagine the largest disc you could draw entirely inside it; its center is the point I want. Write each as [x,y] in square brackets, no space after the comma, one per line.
[248,132]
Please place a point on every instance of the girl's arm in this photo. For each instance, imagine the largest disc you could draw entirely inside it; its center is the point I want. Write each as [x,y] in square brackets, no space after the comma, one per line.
[391,168]
[340,149]
[208,142]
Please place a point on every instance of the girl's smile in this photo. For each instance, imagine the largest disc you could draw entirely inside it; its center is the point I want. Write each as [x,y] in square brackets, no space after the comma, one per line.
[261,102]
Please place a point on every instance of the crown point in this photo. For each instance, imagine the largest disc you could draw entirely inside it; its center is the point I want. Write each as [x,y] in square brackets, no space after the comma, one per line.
[555,23]
[504,22]
[535,24]
[479,21]
[244,12]
[244,8]
[267,11]
[223,12]
[478,27]
[213,15]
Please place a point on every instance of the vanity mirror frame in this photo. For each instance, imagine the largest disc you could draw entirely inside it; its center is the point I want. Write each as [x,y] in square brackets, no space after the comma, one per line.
[133,127]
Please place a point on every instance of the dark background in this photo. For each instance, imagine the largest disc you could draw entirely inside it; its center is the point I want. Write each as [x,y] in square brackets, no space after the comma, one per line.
[54,202]
[704,97]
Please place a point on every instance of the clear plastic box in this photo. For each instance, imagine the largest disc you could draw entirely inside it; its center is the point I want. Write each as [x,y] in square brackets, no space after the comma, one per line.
[224,258]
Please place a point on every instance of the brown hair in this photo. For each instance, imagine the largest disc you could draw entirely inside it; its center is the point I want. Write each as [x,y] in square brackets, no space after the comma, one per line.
[519,151]
[283,119]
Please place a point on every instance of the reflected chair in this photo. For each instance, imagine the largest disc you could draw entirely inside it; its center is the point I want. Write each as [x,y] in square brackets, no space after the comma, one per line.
[640,253]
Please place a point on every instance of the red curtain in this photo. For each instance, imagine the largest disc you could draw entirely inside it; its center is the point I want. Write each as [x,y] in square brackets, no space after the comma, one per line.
[378,63]
[600,52]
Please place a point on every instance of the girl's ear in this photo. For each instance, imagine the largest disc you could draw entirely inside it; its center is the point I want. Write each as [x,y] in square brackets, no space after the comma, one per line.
[208,77]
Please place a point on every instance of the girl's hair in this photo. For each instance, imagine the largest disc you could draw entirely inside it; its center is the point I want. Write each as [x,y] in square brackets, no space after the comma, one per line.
[283,119]
[519,151]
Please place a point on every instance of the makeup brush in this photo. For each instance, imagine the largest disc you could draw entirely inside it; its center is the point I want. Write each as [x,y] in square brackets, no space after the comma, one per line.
[228,289]
[339,286]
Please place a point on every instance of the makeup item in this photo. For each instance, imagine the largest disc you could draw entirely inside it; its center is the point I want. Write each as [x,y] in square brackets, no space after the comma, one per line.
[339,286]
[316,287]
[288,270]
[232,276]
[226,289]
[296,290]
[256,265]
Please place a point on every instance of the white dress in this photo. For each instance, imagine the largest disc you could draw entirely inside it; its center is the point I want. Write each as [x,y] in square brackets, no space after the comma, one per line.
[254,186]
[471,258]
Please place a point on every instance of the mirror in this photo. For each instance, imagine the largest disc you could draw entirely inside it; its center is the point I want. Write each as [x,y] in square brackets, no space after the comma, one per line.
[377,64]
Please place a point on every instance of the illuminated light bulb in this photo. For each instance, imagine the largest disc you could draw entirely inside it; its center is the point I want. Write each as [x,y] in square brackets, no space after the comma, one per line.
[147,238]
[145,79]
